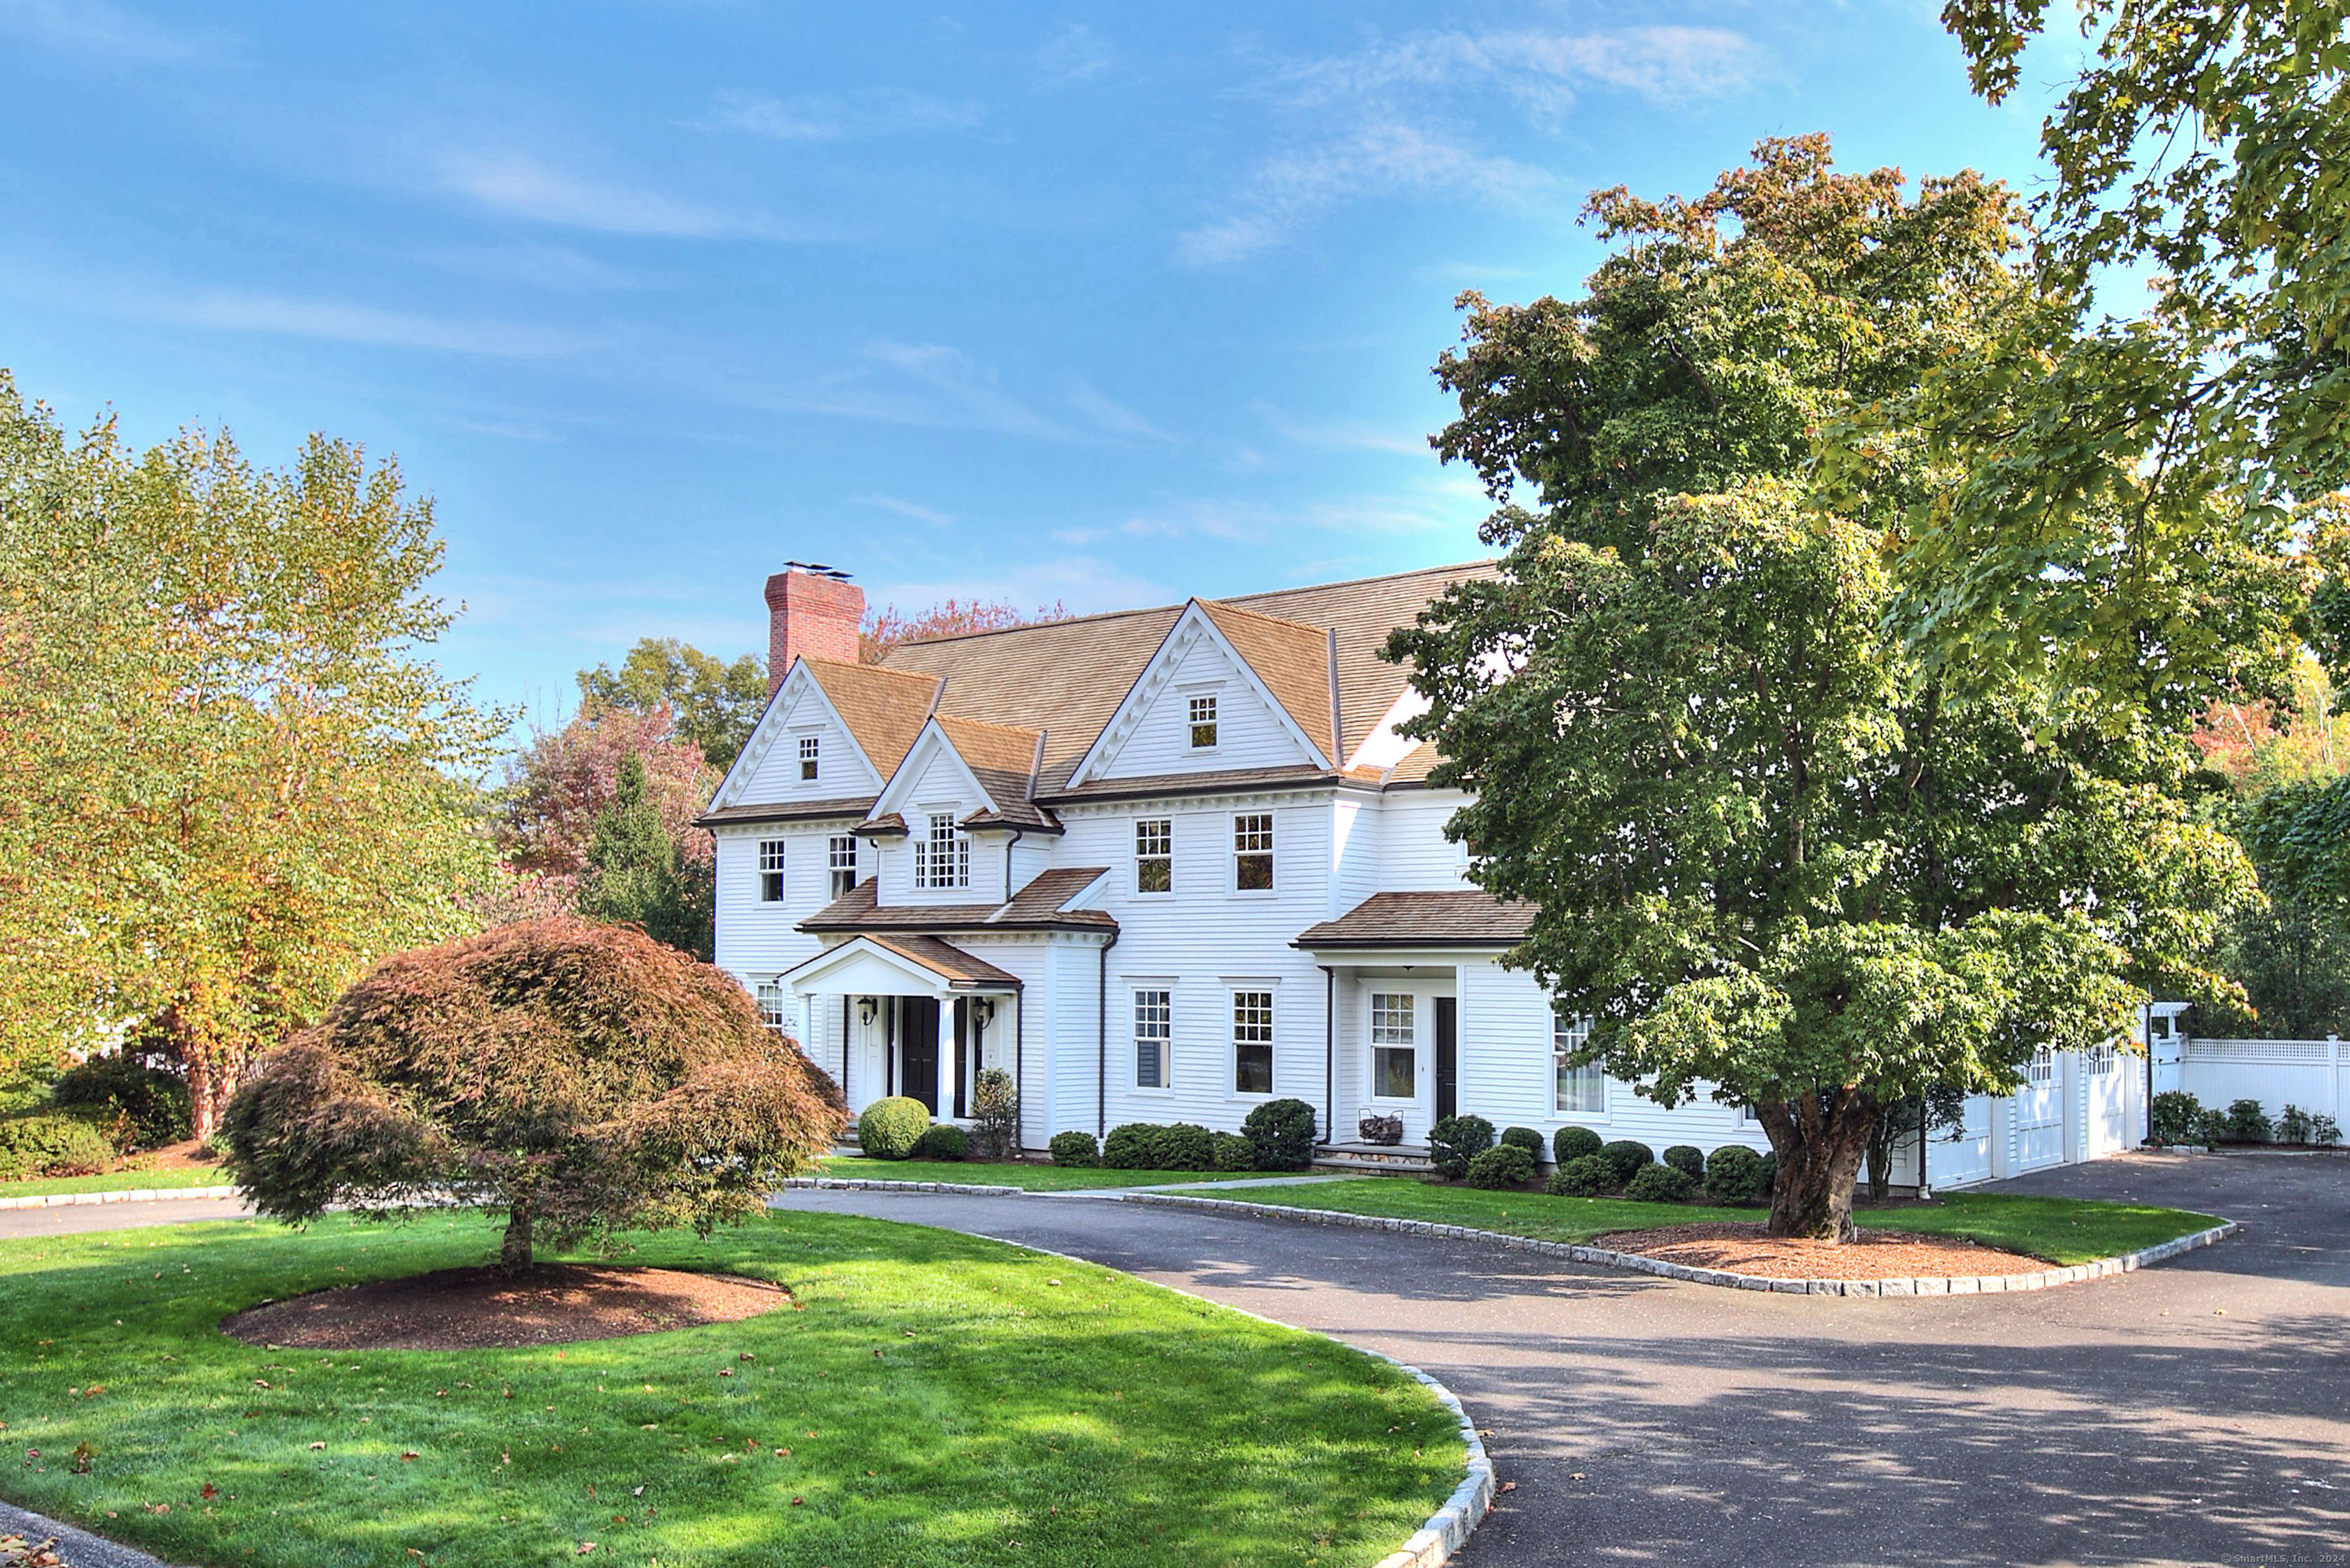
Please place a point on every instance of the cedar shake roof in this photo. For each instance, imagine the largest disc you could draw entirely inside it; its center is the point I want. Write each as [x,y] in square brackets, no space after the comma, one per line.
[880,826]
[946,960]
[794,811]
[1066,678]
[884,708]
[1035,907]
[1204,784]
[1001,756]
[1466,917]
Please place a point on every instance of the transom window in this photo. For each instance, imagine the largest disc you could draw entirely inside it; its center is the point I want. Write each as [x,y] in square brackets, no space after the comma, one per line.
[1203,722]
[1253,852]
[771,870]
[771,1005]
[840,855]
[944,858]
[811,754]
[1395,1058]
[1154,1030]
[1253,1041]
[1582,1088]
[1154,855]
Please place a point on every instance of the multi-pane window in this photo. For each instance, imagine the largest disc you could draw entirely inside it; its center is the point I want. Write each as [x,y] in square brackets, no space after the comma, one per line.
[771,1005]
[840,855]
[1581,1087]
[771,870]
[811,754]
[1395,1060]
[2102,1059]
[944,858]
[1154,1032]
[1203,722]
[1253,1041]
[1154,855]
[1253,852]
[2041,1072]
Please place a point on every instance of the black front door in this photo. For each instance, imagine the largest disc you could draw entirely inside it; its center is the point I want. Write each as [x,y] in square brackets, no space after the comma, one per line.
[1447,1057]
[918,1050]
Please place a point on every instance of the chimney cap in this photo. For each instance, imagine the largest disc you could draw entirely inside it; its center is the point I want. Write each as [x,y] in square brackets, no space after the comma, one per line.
[816,569]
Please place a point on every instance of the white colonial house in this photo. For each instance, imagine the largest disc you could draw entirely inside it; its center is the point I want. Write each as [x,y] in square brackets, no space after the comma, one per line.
[1166,864]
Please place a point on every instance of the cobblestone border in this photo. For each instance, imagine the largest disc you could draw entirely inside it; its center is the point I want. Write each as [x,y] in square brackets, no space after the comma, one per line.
[1446,1530]
[1957,1286]
[118,1195]
[882,1184]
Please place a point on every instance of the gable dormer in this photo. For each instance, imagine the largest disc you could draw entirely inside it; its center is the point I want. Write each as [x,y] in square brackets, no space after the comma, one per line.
[830,731]
[964,789]
[1227,689]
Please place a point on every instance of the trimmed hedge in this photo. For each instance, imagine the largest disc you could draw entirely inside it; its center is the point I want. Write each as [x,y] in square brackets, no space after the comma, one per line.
[51,1143]
[1141,1146]
[1586,1176]
[892,1128]
[1660,1184]
[140,1107]
[1280,1134]
[1503,1164]
[1525,1139]
[944,1141]
[1736,1175]
[1234,1152]
[1573,1143]
[1075,1148]
[1627,1156]
[1453,1142]
[1689,1161]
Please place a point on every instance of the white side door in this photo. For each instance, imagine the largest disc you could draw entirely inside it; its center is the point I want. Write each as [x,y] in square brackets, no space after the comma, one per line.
[2040,1114]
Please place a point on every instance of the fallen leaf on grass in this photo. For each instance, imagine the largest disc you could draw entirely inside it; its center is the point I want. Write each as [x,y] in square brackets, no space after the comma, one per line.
[408,1456]
[1509,1486]
[208,1491]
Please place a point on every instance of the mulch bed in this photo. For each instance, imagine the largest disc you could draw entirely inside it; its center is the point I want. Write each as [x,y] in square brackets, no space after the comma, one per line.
[485,1308]
[1877,1255]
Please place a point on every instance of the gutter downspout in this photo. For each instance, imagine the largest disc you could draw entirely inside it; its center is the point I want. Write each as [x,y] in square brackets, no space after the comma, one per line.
[1102,1039]
[1016,837]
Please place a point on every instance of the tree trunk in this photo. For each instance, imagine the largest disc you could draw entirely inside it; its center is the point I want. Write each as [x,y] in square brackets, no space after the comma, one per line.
[514,1252]
[1819,1153]
[209,1092]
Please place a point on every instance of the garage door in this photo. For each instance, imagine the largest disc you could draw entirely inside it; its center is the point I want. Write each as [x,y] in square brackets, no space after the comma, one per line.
[2109,1096]
[2040,1114]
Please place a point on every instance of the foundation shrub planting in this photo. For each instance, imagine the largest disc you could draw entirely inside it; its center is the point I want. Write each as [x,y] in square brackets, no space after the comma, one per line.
[1689,1161]
[1076,1149]
[2177,1117]
[51,1143]
[1186,1146]
[1660,1184]
[893,1128]
[1573,1143]
[1736,1175]
[944,1141]
[1627,1156]
[2248,1122]
[1504,1165]
[1453,1142]
[2324,1130]
[2293,1125]
[1234,1152]
[995,1105]
[1525,1139]
[1280,1133]
[1586,1176]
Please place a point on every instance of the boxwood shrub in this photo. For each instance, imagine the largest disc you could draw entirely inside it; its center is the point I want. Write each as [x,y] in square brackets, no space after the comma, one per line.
[1186,1146]
[1689,1161]
[1586,1176]
[1132,1145]
[1660,1184]
[1627,1156]
[944,1141]
[1735,1174]
[1525,1139]
[51,1143]
[1573,1143]
[1453,1142]
[1075,1148]
[892,1128]
[1281,1134]
[1234,1152]
[1503,1164]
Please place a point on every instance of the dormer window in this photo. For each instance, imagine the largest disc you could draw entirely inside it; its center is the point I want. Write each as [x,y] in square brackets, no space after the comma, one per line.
[811,754]
[1203,723]
[943,856]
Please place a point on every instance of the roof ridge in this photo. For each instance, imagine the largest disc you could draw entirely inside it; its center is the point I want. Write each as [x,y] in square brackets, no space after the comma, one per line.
[861,668]
[1228,607]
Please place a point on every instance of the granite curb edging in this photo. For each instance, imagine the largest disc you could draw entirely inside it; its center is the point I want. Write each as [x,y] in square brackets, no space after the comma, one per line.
[1955,1286]
[116,1195]
[1443,1533]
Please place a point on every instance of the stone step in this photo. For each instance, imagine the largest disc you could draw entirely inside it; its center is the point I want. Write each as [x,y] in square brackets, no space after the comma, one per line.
[1391,1159]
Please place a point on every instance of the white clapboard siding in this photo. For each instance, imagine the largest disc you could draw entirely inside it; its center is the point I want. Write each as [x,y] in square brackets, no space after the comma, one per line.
[1249,734]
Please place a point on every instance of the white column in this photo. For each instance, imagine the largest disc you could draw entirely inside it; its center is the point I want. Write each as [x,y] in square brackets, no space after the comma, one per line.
[946,1058]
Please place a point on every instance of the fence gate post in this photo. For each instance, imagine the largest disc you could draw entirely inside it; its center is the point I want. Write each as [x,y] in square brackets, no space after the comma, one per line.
[2334,1076]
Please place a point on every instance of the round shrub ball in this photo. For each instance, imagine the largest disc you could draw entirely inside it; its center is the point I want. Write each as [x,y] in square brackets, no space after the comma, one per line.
[1660,1184]
[893,1128]
[1133,1146]
[1735,1174]
[1525,1139]
[1076,1149]
[944,1141]
[1187,1145]
[1573,1143]
[1504,1165]
[1588,1176]
[150,1107]
[1627,1156]
[1282,1133]
[1689,1161]
[1454,1141]
[1234,1152]
[52,1143]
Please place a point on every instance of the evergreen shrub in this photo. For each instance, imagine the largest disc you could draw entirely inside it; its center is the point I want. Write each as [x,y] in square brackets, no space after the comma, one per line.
[1453,1142]
[1503,1164]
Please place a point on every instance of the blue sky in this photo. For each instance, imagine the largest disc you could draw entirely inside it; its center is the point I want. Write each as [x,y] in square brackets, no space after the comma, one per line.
[1106,307]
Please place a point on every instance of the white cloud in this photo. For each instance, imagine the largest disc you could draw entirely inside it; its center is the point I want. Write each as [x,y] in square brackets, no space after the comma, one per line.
[965,390]
[94,27]
[1084,585]
[341,323]
[1112,416]
[1330,437]
[913,509]
[1075,54]
[826,118]
[1429,507]
[541,266]
[522,187]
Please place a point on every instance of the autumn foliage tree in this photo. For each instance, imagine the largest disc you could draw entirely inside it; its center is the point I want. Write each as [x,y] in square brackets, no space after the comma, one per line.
[886,627]
[580,1078]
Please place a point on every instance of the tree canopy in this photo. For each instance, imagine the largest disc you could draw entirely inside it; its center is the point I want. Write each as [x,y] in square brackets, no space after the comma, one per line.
[711,704]
[581,1078]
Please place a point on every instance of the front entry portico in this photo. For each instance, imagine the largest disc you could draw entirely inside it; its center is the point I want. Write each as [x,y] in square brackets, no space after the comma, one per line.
[917,1016]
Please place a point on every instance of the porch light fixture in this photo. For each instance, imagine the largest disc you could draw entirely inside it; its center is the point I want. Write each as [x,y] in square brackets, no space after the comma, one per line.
[865,1008]
[983,1011]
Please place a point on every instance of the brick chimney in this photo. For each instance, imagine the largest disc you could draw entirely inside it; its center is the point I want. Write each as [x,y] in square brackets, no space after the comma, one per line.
[812,610]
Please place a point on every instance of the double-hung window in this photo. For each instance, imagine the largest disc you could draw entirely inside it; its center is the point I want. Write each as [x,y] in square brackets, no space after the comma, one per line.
[811,754]
[1202,715]
[1581,1087]
[944,858]
[1154,1035]
[1395,1057]
[1253,1041]
[1253,852]
[771,870]
[1154,855]
[771,1005]
[840,855]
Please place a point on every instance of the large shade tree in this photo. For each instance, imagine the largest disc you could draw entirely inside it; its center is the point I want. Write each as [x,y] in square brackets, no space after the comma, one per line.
[1776,854]
[578,1078]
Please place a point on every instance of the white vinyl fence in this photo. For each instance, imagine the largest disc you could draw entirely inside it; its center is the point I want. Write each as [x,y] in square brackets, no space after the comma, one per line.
[2277,1073]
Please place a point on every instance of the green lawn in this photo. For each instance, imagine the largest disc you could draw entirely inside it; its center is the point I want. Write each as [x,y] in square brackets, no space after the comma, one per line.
[943,1401]
[1035,1178]
[2061,1230]
[119,1181]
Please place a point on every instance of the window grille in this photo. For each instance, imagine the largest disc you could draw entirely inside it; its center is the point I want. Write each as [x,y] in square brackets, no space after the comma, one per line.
[1154,856]
[1203,722]
[771,1005]
[841,856]
[1252,853]
[943,858]
[1582,1088]
[811,752]
[1253,1041]
[771,870]
[1154,1030]
[1395,1059]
